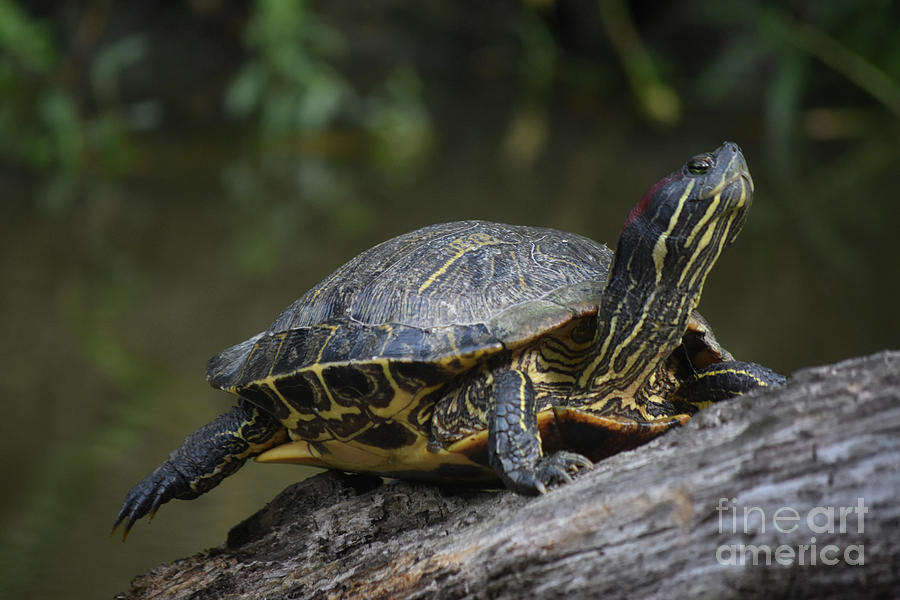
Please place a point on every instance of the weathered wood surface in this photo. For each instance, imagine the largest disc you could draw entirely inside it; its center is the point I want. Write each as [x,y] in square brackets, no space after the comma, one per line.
[641,524]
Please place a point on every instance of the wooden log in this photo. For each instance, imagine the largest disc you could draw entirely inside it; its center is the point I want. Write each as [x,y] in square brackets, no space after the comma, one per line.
[782,493]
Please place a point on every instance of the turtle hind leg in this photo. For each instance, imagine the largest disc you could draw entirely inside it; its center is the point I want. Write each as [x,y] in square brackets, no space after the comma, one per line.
[203,459]
[724,380]
[514,441]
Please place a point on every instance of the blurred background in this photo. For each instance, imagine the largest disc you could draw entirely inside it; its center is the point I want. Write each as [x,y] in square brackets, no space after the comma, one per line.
[174,174]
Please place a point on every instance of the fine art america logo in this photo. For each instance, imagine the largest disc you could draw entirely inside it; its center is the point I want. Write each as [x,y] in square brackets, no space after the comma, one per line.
[819,520]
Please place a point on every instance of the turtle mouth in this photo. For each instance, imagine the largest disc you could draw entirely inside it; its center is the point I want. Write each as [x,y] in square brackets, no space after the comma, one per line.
[737,167]
[736,181]
[739,171]
[735,184]
[741,184]
[744,174]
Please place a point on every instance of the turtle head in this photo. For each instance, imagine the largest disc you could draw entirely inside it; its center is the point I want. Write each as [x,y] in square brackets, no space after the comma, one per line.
[678,229]
[667,247]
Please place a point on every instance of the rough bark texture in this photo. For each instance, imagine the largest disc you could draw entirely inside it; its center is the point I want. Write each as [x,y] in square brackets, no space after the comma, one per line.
[643,523]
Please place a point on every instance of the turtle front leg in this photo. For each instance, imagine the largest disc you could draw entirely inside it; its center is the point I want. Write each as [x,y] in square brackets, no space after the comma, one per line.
[514,441]
[203,459]
[724,380]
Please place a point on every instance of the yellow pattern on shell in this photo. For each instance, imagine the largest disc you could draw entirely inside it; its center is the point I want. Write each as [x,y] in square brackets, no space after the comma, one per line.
[462,246]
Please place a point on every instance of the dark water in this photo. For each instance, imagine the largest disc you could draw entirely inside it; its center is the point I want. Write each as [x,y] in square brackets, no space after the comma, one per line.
[112,305]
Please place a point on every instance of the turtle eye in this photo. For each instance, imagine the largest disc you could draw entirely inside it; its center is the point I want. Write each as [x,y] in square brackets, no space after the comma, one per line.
[699,165]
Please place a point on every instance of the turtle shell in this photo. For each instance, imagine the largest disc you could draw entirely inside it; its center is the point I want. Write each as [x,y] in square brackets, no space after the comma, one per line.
[350,367]
[429,296]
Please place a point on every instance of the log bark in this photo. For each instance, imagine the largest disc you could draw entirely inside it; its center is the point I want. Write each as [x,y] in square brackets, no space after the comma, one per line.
[665,520]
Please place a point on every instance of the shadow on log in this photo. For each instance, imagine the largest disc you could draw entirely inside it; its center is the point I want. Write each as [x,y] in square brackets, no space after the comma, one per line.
[815,466]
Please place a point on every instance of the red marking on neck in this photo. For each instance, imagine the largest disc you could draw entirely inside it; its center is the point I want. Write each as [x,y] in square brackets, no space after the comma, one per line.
[644,203]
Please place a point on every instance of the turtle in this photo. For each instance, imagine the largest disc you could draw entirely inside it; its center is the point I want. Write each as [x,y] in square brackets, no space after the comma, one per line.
[484,354]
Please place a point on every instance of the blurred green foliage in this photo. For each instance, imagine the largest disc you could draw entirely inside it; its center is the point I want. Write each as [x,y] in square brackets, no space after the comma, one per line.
[315,127]
[44,122]
[860,46]
[304,104]
[656,97]
[323,98]
[290,82]
[70,110]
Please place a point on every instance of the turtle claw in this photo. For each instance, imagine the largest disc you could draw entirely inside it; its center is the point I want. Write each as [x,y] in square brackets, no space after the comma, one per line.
[146,497]
[559,467]
[555,469]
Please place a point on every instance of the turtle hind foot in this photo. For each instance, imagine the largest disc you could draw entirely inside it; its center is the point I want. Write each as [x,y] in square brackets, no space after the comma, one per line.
[145,498]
